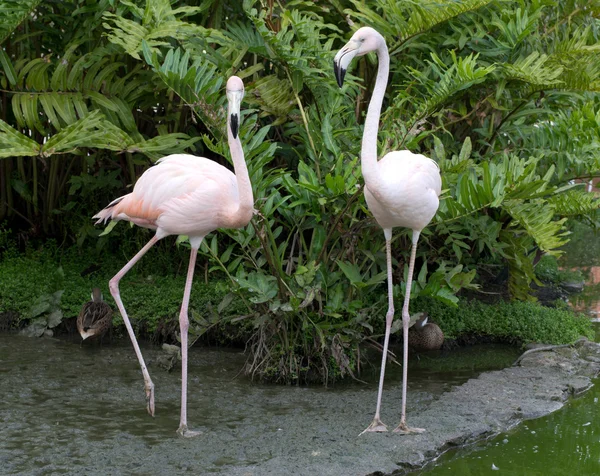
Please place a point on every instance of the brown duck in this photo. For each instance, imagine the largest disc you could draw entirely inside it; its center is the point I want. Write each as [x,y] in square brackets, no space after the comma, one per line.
[95,317]
[424,336]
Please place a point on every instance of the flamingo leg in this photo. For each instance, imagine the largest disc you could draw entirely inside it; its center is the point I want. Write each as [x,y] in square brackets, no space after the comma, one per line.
[184,325]
[403,427]
[114,290]
[377,425]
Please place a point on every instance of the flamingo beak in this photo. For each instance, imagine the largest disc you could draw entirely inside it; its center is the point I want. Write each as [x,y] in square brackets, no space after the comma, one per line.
[342,61]
[233,111]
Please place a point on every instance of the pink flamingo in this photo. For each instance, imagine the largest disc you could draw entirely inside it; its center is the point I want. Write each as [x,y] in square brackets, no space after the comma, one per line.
[402,189]
[185,195]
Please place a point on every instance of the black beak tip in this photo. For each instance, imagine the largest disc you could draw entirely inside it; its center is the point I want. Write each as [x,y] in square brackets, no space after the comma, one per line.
[339,73]
[235,124]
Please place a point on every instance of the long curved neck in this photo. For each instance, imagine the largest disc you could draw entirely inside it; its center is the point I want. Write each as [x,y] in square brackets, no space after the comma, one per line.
[244,212]
[369,142]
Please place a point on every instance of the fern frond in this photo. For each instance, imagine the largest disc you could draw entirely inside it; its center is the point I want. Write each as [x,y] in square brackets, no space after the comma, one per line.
[575,202]
[534,69]
[406,19]
[197,84]
[275,97]
[570,142]
[158,25]
[440,83]
[15,144]
[13,13]
[537,218]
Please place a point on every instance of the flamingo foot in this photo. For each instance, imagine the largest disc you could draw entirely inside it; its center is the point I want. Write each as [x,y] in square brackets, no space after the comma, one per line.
[404,429]
[185,433]
[376,426]
[149,387]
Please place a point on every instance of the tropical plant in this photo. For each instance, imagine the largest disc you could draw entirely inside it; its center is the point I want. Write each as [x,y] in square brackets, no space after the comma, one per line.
[502,94]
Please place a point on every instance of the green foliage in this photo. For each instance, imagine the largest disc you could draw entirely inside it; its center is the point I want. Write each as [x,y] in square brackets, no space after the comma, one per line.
[46,286]
[547,270]
[45,314]
[14,13]
[522,322]
[503,95]
[23,280]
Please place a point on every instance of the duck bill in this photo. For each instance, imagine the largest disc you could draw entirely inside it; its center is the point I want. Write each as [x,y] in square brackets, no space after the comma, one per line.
[233,111]
[342,61]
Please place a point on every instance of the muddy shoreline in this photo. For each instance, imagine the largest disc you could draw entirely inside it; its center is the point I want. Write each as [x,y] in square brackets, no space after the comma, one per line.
[72,410]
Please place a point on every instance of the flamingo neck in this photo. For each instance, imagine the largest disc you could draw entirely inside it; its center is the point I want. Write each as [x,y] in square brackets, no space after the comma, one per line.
[368,153]
[244,212]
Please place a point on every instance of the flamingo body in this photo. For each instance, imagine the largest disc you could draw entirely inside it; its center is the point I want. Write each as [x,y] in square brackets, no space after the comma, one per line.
[409,195]
[181,195]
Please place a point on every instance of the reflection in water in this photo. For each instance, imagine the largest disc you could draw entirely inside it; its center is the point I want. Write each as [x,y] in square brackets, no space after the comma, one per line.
[588,301]
[583,253]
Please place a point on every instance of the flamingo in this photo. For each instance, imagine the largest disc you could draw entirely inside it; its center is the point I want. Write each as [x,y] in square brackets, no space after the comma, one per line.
[185,195]
[401,189]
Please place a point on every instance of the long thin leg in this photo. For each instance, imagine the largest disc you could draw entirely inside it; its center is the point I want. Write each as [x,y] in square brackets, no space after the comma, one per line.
[403,427]
[184,325]
[377,424]
[114,290]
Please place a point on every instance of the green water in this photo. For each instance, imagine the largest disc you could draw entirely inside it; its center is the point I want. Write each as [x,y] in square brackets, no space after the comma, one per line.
[565,442]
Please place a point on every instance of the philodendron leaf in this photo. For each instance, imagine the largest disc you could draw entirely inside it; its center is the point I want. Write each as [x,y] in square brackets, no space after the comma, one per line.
[54,318]
[351,271]
[109,227]
[40,307]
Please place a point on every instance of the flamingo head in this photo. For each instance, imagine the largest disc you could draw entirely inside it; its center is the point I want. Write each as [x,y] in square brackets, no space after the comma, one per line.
[235,93]
[363,41]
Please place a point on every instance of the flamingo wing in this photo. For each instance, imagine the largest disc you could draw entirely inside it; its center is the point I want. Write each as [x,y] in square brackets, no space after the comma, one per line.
[180,194]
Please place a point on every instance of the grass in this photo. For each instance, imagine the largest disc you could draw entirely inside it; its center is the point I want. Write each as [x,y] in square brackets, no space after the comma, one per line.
[153,297]
[522,322]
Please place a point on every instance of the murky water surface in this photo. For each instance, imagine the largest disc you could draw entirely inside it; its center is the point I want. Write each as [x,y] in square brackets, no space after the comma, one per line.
[68,409]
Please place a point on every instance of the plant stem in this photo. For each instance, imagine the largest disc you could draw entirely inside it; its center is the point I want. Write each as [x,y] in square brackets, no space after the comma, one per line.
[337,220]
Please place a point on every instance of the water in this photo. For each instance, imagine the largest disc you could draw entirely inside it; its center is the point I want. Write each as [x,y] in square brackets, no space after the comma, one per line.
[71,409]
[566,442]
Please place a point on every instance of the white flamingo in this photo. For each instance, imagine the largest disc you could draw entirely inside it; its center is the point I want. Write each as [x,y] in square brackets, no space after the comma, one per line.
[401,189]
[185,195]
